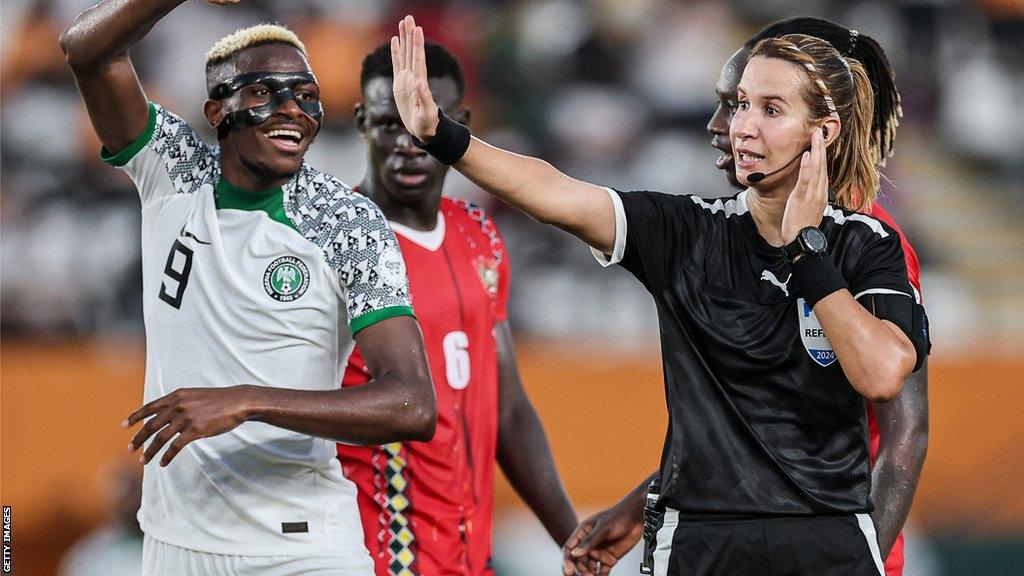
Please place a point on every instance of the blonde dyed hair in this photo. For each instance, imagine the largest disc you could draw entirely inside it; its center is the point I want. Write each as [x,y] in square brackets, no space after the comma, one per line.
[234,43]
[839,87]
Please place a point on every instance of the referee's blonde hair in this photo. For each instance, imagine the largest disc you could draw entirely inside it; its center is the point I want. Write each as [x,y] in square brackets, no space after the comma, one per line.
[838,87]
[239,40]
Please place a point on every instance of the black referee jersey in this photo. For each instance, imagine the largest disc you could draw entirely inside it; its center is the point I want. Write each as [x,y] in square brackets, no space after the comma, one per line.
[762,420]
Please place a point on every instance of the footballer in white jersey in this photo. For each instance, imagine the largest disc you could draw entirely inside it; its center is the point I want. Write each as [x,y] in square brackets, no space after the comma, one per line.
[258,274]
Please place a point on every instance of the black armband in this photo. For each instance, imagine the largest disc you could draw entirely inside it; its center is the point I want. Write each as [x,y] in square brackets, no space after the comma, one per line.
[815,277]
[906,314]
[450,141]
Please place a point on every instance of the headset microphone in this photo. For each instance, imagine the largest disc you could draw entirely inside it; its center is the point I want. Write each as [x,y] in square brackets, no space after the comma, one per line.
[756,177]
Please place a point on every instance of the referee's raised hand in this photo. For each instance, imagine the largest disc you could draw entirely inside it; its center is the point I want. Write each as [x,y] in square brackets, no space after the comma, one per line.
[415,104]
[810,196]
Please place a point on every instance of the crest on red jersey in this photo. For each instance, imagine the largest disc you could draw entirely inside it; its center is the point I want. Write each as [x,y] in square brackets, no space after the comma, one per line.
[487,270]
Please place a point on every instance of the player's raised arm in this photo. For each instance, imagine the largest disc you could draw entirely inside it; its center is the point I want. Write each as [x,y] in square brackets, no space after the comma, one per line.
[530,184]
[96,46]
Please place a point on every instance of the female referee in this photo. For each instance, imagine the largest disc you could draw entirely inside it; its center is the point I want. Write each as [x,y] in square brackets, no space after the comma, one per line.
[899,428]
[765,466]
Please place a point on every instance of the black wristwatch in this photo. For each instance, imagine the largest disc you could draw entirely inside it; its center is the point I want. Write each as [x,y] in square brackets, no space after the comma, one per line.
[809,241]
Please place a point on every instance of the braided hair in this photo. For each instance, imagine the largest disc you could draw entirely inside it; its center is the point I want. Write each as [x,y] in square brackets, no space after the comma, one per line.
[839,87]
[869,53]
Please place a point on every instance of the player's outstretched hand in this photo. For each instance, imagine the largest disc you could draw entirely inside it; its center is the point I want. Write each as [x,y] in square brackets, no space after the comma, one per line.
[807,202]
[189,413]
[601,540]
[412,95]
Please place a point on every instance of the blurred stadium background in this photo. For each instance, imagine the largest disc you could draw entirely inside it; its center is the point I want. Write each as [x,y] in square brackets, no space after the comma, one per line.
[612,91]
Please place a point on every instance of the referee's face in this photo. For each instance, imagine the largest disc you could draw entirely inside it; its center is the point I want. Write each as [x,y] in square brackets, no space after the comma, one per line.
[772,122]
[718,126]
[405,173]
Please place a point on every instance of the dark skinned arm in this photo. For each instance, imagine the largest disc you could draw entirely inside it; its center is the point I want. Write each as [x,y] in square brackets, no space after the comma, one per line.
[523,450]
[903,444]
[96,48]
[397,405]
[606,536]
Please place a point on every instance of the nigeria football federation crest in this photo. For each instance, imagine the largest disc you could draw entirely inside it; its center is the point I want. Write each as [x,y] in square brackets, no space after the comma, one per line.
[286,279]
[813,336]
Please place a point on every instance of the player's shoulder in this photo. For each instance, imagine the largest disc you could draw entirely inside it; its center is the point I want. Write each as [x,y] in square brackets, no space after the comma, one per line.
[171,142]
[328,213]
[322,196]
[173,135]
[458,210]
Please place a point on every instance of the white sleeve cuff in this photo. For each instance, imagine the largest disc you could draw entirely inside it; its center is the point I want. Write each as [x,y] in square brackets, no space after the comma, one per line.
[620,233]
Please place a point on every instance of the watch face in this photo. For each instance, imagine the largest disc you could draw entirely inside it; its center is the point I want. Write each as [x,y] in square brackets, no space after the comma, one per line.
[815,240]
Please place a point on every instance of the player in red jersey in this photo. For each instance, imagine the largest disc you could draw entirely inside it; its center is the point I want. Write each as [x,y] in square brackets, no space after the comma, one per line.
[898,429]
[427,507]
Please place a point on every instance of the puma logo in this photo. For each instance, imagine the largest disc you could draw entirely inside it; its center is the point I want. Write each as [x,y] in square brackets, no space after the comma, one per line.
[770,276]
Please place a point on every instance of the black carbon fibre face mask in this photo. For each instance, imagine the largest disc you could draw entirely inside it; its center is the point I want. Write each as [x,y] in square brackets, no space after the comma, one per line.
[282,89]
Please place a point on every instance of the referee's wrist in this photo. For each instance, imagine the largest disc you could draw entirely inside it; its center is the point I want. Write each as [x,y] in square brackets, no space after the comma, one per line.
[815,277]
[449,141]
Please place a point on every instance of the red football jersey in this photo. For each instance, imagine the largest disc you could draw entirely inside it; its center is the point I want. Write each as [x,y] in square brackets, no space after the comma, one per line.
[427,507]
[894,563]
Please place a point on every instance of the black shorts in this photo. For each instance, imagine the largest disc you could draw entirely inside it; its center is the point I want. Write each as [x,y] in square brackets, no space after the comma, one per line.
[780,546]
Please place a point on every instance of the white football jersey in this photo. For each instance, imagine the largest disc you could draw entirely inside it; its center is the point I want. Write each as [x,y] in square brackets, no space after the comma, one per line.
[263,288]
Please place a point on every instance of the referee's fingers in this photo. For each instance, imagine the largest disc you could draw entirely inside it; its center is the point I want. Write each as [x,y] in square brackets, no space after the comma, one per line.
[823,171]
[804,178]
[818,160]
[396,56]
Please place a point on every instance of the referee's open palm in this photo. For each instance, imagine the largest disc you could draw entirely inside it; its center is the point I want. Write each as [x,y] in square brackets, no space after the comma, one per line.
[412,95]
[807,202]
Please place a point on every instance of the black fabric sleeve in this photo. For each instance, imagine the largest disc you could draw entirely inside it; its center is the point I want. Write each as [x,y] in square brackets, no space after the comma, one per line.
[660,233]
[879,282]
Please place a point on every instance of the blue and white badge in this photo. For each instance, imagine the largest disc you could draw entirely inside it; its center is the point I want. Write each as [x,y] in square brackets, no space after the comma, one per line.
[813,336]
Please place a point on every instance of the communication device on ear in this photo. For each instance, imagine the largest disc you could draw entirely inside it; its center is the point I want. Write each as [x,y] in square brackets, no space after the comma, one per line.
[824,131]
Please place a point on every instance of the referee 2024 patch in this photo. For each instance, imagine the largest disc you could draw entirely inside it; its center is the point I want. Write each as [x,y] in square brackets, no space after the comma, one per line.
[813,336]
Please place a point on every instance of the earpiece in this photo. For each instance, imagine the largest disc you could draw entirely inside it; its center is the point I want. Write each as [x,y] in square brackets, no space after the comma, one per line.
[824,132]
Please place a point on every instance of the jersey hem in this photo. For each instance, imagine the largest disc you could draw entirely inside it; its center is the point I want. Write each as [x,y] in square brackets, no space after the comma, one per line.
[270,549]
[125,155]
[375,316]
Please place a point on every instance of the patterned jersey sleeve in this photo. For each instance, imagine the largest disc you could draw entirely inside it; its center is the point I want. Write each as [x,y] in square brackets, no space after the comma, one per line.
[369,265]
[168,157]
